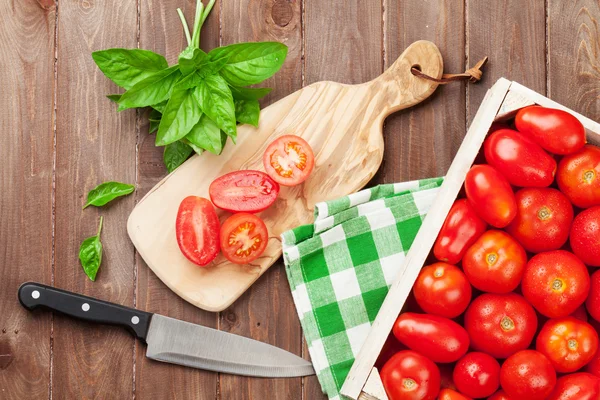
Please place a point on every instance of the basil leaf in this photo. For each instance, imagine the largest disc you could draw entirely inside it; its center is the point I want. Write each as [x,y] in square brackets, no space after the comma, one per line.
[250,63]
[152,90]
[114,97]
[181,114]
[207,135]
[107,191]
[195,78]
[191,59]
[154,119]
[216,102]
[127,67]
[175,154]
[242,93]
[197,150]
[90,254]
[247,111]
[160,107]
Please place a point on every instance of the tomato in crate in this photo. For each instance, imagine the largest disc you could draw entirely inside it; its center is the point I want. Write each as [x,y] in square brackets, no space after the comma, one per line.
[578,177]
[527,374]
[580,386]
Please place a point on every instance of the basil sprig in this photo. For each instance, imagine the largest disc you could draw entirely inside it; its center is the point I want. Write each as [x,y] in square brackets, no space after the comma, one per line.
[90,254]
[197,103]
[107,191]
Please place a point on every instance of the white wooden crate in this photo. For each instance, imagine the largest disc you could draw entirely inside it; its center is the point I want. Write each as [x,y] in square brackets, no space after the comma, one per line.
[501,102]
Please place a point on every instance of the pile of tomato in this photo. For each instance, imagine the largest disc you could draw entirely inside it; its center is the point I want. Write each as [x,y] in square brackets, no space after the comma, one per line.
[509,305]
[243,237]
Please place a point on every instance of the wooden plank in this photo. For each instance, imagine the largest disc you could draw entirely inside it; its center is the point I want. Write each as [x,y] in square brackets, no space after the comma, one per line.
[26,149]
[94,144]
[161,31]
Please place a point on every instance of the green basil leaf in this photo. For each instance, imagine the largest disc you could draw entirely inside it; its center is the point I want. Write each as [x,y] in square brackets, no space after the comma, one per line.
[241,93]
[126,67]
[250,63]
[197,150]
[152,90]
[195,78]
[155,115]
[107,191]
[207,135]
[114,97]
[175,154]
[90,254]
[191,59]
[181,114]
[216,102]
[160,107]
[247,111]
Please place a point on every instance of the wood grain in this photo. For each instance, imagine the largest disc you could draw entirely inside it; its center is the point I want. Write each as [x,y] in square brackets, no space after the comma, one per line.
[26,150]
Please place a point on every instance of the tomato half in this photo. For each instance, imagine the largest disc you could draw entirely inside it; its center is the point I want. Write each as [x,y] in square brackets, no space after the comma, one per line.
[527,374]
[197,230]
[522,161]
[437,338]
[543,219]
[556,283]
[477,375]
[410,376]
[449,394]
[555,130]
[500,395]
[490,194]
[461,229]
[289,160]
[500,324]
[442,289]
[244,191]
[585,236]
[580,386]
[593,300]
[244,238]
[495,263]
[578,177]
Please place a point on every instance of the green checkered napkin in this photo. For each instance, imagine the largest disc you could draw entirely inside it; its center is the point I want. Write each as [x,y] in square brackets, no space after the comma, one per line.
[341,267]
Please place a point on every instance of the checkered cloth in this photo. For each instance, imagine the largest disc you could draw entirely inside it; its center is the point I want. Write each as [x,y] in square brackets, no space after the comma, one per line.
[341,267]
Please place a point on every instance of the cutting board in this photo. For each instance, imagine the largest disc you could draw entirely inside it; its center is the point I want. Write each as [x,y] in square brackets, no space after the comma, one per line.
[342,123]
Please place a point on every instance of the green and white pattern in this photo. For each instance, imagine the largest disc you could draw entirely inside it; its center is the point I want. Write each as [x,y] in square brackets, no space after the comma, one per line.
[341,267]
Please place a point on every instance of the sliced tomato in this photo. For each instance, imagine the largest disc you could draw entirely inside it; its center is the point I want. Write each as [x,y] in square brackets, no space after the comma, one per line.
[196,229]
[244,191]
[244,238]
[289,160]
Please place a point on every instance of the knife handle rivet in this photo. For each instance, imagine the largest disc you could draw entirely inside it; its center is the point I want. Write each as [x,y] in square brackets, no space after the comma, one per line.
[85,307]
[35,294]
[135,320]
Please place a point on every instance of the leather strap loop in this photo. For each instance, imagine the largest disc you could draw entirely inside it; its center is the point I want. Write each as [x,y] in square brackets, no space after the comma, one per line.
[473,74]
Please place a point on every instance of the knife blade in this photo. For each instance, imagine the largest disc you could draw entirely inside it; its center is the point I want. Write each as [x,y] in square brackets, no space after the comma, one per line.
[171,340]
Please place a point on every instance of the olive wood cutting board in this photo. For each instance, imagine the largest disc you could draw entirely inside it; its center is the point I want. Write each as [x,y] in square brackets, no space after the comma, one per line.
[342,123]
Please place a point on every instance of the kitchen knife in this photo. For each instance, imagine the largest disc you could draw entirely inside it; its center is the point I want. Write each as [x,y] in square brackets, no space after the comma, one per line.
[171,340]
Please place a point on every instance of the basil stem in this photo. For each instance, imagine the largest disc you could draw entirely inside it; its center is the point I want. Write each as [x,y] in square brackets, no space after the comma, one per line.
[186,29]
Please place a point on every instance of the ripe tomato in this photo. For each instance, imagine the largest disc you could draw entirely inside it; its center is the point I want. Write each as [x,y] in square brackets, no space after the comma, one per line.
[585,236]
[555,283]
[289,160]
[197,230]
[442,289]
[410,376]
[500,324]
[527,374]
[578,177]
[522,161]
[449,394]
[461,229]
[477,375]
[543,219]
[568,343]
[490,194]
[555,130]
[244,238]
[389,349]
[593,367]
[244,191]
[495,263]
[499,395]
[580,386]
[593,301]
[437,338]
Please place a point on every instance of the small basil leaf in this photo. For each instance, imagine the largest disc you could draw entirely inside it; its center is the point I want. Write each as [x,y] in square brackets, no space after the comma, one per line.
[181,114]
[153,126]
[126,67]
[216,101]
[195,78]
[191,59]
[114,97]
[90,254]
[207,135]
[175,154]
[196,149]
[241,93]
[247,111]
[107,191]
[160,107]
[155,115]
[152,90]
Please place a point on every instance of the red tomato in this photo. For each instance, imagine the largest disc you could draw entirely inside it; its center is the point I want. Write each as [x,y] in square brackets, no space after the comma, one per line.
[555,130]
[556,283]
[568,343]
[543,219]
[495,263]
[500,324]
[593,367]
[389,349]
[581,386]
[585,236]
[499,395]
[410,376]
[244,191]
[527,374]
[289,160]
[437,338]
[522,161]
[442,289]
[477,375]
[490,194]
[244,238]
[593,301]
[578,177]
[580,313]
[449,394]
[196,229]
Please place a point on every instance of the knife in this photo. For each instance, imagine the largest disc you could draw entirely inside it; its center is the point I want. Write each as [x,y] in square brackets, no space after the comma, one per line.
[173,341]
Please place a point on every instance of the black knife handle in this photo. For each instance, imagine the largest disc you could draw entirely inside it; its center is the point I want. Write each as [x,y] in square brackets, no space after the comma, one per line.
[33,295]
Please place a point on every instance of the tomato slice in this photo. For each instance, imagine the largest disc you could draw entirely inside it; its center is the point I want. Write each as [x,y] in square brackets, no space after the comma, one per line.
[197,230]
[244,191]
[289,160]
[244,238]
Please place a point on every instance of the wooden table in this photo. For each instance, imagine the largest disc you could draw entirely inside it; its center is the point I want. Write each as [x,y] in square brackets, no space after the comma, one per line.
[60,137]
